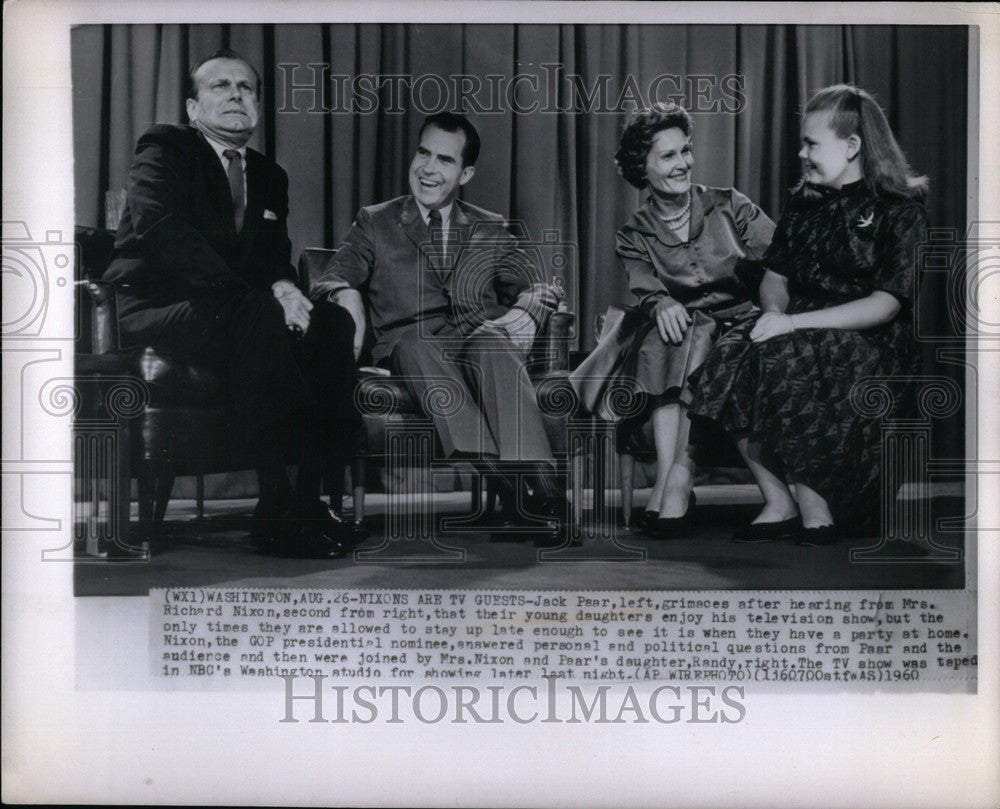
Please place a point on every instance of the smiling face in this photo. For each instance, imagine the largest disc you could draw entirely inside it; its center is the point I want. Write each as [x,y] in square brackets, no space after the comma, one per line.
[826,158]
[437,171]
[669,162]
[226,107]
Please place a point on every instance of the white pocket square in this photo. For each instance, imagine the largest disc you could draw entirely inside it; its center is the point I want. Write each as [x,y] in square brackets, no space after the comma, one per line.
[270,215]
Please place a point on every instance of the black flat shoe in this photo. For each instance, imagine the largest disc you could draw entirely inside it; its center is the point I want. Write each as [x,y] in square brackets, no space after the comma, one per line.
[769,531]
[677,527]
[819,537]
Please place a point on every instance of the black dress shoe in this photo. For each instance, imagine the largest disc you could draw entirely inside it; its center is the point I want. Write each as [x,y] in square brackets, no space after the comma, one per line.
[318,514]
[677,527]
[818,537]
[269,522]
[305,541]
[769,531]
[553,532]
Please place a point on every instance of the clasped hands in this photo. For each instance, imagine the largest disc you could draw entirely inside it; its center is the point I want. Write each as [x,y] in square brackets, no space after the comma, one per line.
[297,308]
[295,305]
[517,323]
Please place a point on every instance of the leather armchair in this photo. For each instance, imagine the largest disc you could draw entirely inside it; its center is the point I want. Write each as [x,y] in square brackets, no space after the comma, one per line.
[174,423]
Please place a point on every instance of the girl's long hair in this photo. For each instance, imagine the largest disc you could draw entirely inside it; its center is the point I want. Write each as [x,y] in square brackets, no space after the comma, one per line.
[853,111]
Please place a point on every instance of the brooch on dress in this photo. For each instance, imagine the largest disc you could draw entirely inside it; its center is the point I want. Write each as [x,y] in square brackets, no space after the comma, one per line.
[865,221]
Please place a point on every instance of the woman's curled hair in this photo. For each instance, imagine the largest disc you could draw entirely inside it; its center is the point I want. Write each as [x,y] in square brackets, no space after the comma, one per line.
[640,128]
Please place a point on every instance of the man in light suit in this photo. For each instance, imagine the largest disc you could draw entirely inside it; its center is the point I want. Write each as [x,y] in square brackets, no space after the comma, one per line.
[202,266]
[453,299]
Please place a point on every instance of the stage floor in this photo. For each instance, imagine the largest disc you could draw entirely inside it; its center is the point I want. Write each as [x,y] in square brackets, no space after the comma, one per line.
[215,552]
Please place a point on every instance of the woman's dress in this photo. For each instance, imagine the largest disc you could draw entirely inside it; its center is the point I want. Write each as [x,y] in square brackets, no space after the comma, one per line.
[633,369]
[801,394]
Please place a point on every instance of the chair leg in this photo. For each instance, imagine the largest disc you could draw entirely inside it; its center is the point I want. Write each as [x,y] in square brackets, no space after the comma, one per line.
[600,480]
[492,492]
[147,498]
[576,485]
[164,486]
[199,497]
[477,493]
[123,487]
[358,488]
[335,488]
[626,466]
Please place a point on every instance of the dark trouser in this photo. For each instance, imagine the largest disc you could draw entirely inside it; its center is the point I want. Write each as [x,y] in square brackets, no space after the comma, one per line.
[478,394]
[274,381]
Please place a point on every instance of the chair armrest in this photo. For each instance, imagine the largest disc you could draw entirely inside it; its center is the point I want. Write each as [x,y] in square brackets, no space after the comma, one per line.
[101,299]
[552,347]
[312,262]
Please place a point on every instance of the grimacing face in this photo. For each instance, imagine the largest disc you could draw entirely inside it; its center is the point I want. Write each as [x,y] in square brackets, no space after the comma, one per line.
[227,106]
[437,171]
[827,159]
[669,162]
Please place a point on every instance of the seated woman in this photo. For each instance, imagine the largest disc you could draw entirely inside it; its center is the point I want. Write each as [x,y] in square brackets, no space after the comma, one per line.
[680,250]
[836,297]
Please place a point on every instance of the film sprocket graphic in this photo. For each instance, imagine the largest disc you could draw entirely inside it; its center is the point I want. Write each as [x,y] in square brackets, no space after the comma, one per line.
[30,267]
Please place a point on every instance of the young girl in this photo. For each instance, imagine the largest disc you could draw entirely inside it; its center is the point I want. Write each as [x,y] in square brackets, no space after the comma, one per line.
[836,300]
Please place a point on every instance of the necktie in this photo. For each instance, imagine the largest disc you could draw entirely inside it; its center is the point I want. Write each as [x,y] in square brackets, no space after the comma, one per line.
[236,186]
[437,235]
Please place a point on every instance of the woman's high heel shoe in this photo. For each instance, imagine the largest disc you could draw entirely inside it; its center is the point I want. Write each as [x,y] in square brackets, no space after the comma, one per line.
[645,522]
[676,527]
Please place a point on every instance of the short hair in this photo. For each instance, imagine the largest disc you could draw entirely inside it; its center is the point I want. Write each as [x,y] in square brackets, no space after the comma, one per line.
[222,53]
[853,111]
[456,122]
[638,133]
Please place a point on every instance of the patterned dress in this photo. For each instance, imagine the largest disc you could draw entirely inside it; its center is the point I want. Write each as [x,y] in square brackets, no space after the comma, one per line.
[792,393]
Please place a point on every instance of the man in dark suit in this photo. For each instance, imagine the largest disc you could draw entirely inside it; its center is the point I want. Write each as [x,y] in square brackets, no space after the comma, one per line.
[454,304]
[202,264]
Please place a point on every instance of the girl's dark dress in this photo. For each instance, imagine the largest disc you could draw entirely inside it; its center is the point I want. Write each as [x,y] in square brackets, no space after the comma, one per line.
[793,393]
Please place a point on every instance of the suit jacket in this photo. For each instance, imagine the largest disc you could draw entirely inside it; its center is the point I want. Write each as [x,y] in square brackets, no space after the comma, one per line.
[177,238]
[387,255]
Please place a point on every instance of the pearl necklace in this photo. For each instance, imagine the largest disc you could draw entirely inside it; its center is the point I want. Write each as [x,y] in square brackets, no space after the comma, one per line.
[681,217]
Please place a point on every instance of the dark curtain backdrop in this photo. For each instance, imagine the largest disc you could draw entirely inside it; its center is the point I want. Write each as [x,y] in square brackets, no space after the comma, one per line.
[552,170]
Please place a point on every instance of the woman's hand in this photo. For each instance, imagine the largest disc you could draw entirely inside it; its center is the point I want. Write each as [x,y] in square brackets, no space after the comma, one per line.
[672,320]
[771,324]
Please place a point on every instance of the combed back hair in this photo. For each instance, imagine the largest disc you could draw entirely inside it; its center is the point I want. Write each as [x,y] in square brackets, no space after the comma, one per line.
[456,122]
[640,128]
[852,111]
[224,53]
